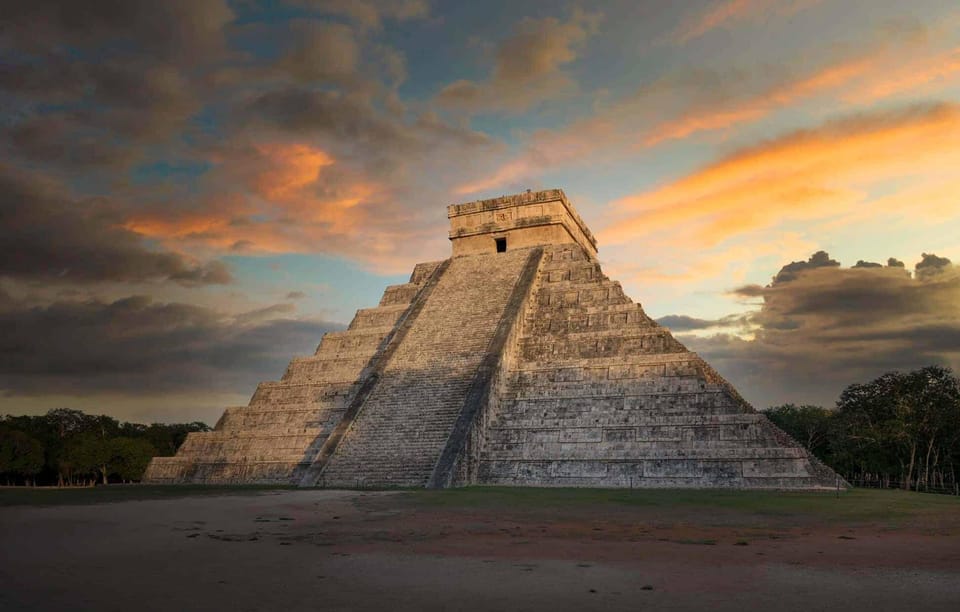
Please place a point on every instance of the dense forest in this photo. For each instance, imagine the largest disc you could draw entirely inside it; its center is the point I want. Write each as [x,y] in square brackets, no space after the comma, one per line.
[69,447]
[899,430]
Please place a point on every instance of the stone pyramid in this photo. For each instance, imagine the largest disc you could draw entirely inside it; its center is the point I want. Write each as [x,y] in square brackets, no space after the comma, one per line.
[514,362]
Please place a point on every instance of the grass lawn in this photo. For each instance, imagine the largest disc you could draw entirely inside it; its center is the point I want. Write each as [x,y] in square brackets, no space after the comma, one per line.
[26,496]
[890,508]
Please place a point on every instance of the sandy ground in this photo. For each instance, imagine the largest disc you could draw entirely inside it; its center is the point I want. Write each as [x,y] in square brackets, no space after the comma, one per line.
[334,550]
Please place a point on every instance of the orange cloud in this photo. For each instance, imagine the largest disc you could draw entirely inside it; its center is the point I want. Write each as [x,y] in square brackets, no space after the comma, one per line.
[807,175]
[826,79]
[649,117]
[506,174]
[728,11]
[288,198]
[275,198]
[289,169]
[913,76]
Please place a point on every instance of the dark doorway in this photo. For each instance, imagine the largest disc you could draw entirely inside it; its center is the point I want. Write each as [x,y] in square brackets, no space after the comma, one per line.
[501,245]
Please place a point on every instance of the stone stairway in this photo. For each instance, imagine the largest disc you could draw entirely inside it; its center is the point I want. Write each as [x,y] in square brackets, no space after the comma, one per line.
[601,395]
[276,436]
[403,426]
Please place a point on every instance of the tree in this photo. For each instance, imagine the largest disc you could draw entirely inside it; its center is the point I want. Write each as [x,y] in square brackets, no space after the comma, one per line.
[70,449]
[88,455]
[901,426]
[129,457]
[809,425]
[20,455]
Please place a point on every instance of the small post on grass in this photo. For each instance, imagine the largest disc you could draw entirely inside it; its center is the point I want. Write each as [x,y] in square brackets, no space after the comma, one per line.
[838,486]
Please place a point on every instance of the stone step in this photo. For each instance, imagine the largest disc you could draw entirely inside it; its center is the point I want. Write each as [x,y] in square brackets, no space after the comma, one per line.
[548,451]
[381,316]
[323,370]
[399,294]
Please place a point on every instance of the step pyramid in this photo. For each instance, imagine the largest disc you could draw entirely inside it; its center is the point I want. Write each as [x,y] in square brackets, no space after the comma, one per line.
[514,362]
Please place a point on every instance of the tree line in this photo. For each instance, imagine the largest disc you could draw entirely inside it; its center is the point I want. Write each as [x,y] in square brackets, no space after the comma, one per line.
[900,430]
[67,447]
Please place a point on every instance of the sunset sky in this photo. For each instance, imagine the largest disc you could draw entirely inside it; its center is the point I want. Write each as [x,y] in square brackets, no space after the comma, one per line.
[194,191]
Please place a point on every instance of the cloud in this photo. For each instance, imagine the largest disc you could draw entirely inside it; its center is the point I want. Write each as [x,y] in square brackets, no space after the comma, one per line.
[46,235]
[369,13]
[61,141]
[712,115]
[320,52]
[698,103]
[672,108]
[172,29]
[310,169]
[347,120]
[807,175]
[825,327]
[912,75]
[931,266]
[138,345]
[87,86]
[527,66]
[288,197]
[723,13]
[792,270]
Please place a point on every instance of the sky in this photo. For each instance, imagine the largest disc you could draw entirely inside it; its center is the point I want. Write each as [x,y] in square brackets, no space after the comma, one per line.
[192,192]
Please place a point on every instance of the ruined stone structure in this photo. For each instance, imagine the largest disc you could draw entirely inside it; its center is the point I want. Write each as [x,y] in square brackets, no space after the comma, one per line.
[517,362]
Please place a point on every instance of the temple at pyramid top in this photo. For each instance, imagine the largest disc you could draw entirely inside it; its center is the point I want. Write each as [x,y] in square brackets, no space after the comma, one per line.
[533,218]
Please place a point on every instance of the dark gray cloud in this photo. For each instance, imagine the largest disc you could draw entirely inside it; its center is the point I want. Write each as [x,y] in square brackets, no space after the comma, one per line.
[138,345]
[320,51]
[527,65]
[99,78]
[63,142]
[789,272]
[169,107]
[827,327]
[45,235]
[327,113]
[931,265]
[368,13]
[173,28]
[352,122]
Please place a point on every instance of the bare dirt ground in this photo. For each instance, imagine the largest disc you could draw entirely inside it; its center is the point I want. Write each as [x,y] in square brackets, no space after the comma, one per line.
[485,550]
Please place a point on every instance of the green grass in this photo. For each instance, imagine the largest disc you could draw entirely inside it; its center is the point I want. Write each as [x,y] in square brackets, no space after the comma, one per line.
[853,505]
[24,496]
[749,508]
